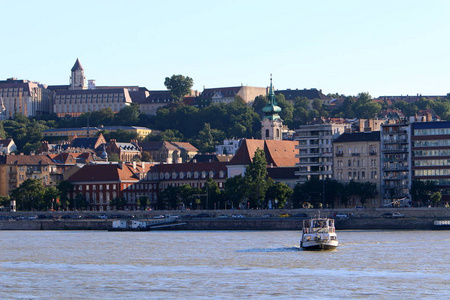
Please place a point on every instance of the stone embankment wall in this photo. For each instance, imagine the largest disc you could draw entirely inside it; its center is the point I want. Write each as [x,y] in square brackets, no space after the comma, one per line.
[415,218]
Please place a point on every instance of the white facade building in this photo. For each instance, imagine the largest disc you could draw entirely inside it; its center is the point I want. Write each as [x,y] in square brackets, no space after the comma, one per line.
[28,98]
[316,149]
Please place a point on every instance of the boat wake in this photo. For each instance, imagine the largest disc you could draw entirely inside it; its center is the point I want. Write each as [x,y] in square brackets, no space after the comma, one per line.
[260,250]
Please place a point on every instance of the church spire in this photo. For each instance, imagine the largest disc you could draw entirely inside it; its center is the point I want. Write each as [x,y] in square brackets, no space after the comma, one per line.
[271,110]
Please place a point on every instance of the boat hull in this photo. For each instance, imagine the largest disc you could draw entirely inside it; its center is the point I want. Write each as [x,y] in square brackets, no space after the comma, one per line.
[318,246]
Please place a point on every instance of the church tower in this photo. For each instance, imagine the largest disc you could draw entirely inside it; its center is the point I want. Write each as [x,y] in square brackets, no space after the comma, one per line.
[77,79]
[271,124]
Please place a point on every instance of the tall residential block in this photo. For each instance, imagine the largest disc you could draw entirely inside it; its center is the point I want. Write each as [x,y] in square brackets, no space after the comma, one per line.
[315,144]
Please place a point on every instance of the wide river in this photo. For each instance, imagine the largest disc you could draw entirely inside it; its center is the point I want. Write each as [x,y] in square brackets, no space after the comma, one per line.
[222,265]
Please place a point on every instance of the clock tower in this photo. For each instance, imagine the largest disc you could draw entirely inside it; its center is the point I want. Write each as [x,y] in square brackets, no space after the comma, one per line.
[77,78]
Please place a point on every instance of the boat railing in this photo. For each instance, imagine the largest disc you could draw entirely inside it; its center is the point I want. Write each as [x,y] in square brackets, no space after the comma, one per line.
[442,222]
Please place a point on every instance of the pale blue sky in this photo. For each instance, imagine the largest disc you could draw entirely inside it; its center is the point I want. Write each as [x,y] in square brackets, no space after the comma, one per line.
[381,47]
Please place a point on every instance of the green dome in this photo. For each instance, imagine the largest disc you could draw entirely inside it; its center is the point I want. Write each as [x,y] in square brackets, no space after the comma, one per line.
[271,110]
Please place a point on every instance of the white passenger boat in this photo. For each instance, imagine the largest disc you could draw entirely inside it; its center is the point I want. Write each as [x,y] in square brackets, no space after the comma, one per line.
[318,233]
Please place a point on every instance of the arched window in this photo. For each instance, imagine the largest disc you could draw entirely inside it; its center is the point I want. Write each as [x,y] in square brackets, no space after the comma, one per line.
[278,133]
[267,133]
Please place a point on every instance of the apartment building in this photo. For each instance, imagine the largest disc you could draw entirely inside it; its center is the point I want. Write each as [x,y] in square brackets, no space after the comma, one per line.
[26,97]
[15,169]
[315,146]
[430,155]
[395,163]
[357,158]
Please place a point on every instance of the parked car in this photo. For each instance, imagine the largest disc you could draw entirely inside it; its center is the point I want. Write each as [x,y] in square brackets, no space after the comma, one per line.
[102,216]
[158,217]
[392,215]
[300,215]
[285,215]
[222,216]
[341,216]
[237,216]
[267,216]
[398,215]
[202,216]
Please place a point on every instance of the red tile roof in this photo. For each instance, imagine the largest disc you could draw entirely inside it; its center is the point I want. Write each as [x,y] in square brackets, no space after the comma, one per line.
[28,160]
[278,153]
[104,172]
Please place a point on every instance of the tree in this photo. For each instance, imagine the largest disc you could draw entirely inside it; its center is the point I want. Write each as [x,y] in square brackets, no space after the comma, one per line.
[309,192]
[119,135]
[421,191]
[5,201]
[436,198]
[168,198]
[146,156]
[235,191]
[129,115]
[167,135]
[205,142]
[258,105]
[2,131]
[187,194]
[179,86]
[366,190]
[213,194]
[118,203]
[51,195]
[279,191]
[256,179]
[142,202]
[29,195]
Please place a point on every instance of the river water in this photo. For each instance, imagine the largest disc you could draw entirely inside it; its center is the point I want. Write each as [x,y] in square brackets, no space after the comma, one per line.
[222,265]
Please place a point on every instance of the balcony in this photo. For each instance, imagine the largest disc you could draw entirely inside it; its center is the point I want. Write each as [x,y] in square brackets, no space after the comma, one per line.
[399,150]
[395,168]
[373,153]
[339,154]
[356,154]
